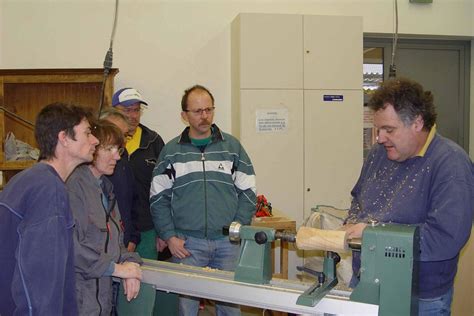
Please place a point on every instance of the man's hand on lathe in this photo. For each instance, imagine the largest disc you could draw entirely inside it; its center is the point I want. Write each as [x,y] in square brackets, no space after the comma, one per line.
[354,230]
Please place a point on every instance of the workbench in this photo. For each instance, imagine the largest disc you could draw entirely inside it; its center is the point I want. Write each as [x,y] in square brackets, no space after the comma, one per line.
[278,222]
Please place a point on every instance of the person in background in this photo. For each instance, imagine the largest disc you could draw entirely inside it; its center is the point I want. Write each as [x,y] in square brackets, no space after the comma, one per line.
[98,238]
[124,183]
[36,223]
[124,189]
[204,180]
[413,175]
[144,147]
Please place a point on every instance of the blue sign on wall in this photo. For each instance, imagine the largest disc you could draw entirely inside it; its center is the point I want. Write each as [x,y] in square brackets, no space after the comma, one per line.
[333,97]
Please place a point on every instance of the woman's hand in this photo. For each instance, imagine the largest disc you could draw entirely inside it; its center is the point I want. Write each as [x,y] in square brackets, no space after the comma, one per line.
[127,270]
[131,287]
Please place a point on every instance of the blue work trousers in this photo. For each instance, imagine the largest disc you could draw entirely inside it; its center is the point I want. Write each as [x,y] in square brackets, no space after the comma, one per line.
[216,254]
[438,306]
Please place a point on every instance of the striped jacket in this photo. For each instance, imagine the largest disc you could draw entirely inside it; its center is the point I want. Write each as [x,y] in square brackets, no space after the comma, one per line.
[196,191]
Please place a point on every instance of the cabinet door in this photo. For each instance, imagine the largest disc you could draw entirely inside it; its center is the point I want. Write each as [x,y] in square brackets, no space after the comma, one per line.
[333,147]
[332,52]
[268,48]
[277,156]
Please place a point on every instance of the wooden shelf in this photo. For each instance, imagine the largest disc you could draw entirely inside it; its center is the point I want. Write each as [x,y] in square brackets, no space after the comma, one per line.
[16,165]
[25,92]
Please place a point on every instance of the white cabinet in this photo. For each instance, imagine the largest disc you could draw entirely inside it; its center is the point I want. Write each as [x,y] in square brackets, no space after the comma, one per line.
[277,158]
[332,52]
[332,147]
[270,50]
[308,70]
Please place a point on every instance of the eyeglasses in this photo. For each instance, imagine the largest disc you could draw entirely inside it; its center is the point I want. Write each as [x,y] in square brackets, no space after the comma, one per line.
[199,112]
[130,110]
[114,149]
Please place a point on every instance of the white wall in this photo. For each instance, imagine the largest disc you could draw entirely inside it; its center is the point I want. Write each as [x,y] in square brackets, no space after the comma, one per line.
[162,47]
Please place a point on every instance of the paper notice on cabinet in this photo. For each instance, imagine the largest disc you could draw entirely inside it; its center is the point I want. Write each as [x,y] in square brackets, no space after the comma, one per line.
[272,120]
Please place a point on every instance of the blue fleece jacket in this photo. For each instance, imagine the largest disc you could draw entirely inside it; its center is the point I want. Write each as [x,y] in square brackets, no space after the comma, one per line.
[435,191]
[36,257]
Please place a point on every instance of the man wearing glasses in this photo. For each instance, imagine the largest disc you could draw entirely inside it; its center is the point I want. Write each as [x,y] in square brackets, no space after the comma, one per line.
[204,180]
[143,147]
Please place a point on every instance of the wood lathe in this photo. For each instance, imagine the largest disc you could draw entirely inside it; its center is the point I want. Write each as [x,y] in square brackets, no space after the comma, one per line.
[388,274]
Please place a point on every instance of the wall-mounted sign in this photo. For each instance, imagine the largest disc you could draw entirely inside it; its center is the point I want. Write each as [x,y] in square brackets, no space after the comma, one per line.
[272,120]
[333,97]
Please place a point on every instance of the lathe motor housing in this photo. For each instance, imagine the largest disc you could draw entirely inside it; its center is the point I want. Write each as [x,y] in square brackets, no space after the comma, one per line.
[389,269]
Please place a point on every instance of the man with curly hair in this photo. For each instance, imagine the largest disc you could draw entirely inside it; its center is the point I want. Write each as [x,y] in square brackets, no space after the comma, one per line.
[413,175]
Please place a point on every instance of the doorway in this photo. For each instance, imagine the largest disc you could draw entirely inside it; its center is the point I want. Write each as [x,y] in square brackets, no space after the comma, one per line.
[441,66]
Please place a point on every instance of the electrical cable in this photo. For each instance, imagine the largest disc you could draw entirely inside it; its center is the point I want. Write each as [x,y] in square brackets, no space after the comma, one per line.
[108,58]
[393,68]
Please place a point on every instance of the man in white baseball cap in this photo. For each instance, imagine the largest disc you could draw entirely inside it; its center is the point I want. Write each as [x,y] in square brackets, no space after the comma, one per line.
[129,101]
[143,146]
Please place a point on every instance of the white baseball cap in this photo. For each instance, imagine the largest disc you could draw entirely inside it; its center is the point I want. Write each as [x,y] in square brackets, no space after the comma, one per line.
[127,97]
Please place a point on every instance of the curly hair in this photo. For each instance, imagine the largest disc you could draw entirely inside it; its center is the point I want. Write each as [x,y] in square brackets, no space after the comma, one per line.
[408,99]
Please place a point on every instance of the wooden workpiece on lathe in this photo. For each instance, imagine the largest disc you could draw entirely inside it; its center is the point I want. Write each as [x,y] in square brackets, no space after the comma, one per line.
[309,238]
